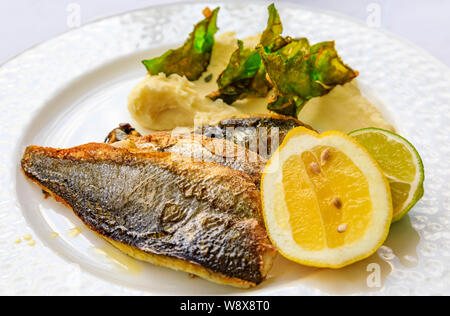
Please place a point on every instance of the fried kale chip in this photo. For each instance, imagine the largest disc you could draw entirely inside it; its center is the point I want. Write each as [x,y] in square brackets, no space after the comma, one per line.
[300,72]
[192,59]
[296,70]
[245,75]
[271,38]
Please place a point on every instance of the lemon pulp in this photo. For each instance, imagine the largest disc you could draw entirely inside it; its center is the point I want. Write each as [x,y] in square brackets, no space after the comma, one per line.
[318,203]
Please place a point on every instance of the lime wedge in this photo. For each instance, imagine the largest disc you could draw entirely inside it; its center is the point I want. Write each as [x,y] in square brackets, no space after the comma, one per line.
[400,163]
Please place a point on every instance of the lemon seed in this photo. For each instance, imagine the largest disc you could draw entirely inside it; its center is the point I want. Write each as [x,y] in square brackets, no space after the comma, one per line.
[314,167]
[337,202]
[342,228]
[325,156]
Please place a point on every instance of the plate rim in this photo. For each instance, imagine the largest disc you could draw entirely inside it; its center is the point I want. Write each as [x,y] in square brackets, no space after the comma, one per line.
[285,3]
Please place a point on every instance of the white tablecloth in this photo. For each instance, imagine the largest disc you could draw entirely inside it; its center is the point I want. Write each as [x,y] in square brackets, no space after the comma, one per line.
[24,23]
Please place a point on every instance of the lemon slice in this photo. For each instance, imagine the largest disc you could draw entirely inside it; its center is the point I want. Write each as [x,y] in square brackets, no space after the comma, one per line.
[326,202]
[401,165]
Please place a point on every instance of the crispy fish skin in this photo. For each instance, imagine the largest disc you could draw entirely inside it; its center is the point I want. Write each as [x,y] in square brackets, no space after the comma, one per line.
[259,133]
[120,133]
[202,149]
[201,218]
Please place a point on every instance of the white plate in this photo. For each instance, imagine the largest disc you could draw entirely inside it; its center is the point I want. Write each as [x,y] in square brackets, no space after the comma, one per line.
[72,90]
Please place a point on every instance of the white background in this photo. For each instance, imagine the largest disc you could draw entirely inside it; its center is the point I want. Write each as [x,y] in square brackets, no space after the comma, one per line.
[24,23]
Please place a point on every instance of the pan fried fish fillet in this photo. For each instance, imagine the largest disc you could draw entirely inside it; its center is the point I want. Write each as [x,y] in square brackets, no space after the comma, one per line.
[261,133]
[163,208]
[200,148]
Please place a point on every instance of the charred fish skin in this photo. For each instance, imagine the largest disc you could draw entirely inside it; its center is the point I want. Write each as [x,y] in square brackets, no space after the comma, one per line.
[121,133]
[204,149]
[260,133]
[204,215]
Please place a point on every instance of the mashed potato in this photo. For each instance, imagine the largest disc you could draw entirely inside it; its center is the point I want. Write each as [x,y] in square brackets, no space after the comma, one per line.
[164,103]
[344,109]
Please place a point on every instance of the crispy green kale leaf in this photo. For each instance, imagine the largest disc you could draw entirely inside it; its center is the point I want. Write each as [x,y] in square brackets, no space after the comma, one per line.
[271,38]
[192,59]
[300,72]
[245,74]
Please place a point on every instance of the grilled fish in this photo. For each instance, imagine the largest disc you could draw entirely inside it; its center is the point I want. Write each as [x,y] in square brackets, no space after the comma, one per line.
[164,208]
[259,133]
[201,148]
